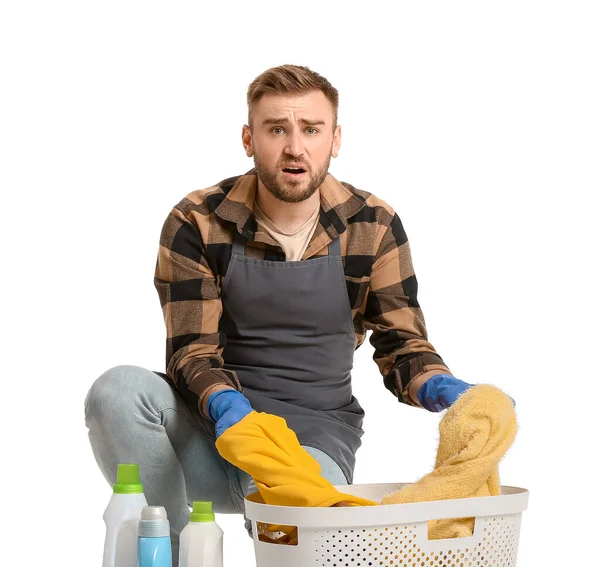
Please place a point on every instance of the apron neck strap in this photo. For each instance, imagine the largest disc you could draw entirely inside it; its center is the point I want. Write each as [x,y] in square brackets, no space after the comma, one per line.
[335,248]
[239,243]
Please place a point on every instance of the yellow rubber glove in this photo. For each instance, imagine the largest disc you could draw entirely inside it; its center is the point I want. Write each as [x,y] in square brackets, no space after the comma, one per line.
[263,446]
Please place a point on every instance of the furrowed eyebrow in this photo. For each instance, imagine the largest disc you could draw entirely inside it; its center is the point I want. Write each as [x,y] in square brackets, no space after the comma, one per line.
[303,121]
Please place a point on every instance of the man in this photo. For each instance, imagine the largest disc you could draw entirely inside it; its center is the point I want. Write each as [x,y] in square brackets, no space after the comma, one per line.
[268,283]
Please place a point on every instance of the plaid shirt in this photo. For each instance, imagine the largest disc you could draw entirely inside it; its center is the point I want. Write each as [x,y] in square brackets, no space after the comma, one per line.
[194,253]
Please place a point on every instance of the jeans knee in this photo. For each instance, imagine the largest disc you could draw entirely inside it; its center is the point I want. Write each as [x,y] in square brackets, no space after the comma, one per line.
[112,387]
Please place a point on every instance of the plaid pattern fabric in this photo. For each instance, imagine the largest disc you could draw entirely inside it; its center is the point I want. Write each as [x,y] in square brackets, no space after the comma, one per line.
[194,253]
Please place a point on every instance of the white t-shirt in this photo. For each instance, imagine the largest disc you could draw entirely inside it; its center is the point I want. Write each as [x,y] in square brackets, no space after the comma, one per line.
[294,244]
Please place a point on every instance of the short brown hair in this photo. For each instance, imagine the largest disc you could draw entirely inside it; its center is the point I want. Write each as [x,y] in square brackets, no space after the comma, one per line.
[290,79]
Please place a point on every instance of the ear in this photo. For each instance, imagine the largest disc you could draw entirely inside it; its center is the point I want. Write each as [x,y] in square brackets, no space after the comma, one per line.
[337,141]
[247,140]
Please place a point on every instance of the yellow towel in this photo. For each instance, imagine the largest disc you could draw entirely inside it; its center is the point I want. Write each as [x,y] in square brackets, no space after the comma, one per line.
[475,434]
[263,446]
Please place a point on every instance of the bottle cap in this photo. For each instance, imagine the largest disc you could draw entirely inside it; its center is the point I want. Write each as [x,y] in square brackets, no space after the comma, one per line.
[153,522]
[154,513]
[202,512]
[128,480]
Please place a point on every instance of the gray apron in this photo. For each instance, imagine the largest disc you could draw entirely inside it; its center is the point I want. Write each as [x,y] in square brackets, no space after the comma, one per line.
[290,339]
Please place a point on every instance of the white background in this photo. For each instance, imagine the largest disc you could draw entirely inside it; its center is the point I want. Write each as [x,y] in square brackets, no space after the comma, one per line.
[477,121]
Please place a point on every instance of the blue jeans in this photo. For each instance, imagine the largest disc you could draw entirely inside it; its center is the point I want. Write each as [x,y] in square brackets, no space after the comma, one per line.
[135,416]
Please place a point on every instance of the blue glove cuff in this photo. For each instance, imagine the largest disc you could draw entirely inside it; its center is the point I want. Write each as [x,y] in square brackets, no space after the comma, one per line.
[221,401]
[441,391]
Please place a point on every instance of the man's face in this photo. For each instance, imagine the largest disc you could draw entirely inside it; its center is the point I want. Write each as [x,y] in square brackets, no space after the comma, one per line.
[289,132]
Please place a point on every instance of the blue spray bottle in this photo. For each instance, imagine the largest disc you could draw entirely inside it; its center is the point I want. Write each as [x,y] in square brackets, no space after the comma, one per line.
[154,539]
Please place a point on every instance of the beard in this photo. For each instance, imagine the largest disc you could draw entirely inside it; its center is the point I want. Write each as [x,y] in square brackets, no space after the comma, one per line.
[289,190]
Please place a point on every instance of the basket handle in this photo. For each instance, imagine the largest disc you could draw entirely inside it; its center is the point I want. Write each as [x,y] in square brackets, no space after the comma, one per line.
[433,530]
[277,534]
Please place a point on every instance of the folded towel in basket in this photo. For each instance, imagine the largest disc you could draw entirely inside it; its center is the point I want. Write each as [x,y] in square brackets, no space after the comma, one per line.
[475,434]
[285,474]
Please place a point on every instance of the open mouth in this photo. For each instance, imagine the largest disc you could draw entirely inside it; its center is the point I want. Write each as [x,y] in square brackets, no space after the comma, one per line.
[294,171]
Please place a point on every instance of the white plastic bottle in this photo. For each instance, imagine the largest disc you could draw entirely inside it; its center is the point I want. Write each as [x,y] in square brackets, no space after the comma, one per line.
[122,516]
[201,541]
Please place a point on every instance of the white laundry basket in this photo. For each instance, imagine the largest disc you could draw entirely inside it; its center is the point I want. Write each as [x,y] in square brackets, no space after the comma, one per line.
[392,535]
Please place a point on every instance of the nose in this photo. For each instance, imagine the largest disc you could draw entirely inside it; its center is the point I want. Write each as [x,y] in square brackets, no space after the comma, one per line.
[294,146]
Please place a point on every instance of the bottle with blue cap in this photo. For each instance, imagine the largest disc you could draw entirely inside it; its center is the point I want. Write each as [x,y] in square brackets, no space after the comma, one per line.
[201,540]
[154,538]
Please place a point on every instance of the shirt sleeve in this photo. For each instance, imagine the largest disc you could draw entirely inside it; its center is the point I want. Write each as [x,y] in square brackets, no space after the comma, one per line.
[191,305]
[405,357]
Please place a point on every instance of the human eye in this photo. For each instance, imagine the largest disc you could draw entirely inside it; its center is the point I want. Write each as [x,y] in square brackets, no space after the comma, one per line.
[277,130]
[312,131]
